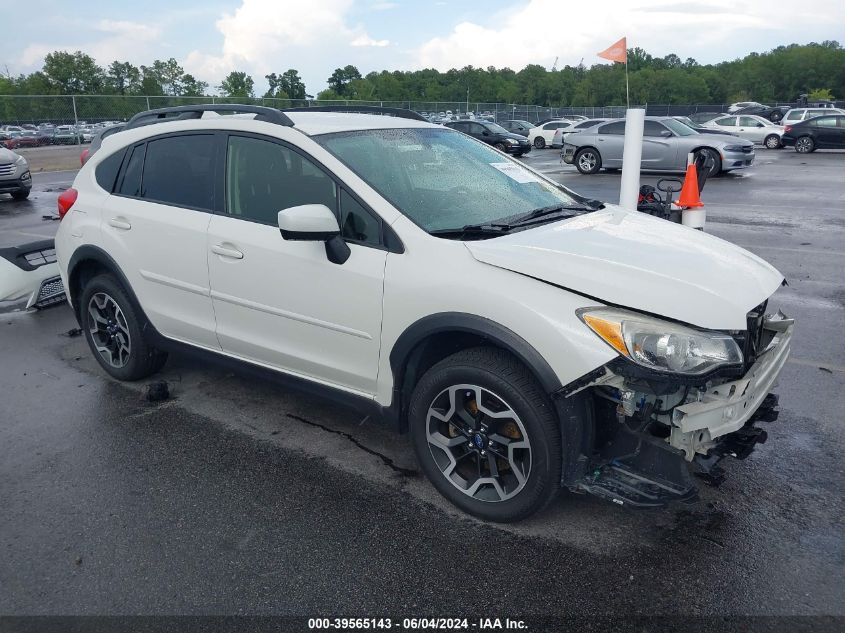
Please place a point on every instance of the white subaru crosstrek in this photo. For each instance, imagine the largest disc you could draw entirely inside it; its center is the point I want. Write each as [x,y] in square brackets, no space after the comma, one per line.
[527,337]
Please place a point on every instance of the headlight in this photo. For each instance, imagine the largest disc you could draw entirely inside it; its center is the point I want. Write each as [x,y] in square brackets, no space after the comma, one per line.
[661,345]
[733,148]
[20,161]
[512,141]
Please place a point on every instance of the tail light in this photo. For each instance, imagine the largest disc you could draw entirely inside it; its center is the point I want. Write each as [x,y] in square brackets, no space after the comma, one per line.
[66,200]
[787,128]
[84,156]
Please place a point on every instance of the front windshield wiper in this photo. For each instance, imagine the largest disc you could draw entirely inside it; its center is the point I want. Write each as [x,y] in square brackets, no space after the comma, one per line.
[489,229]
[542,212]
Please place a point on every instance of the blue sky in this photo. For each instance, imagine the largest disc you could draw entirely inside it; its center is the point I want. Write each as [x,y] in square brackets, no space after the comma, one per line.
[212,37]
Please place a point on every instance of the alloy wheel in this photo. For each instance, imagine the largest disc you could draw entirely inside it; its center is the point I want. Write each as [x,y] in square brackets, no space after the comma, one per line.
[587,161]
[478,442]
[804,145]
[109,330]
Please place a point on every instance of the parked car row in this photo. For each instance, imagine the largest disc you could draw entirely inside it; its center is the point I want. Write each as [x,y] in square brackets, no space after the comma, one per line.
[29,135]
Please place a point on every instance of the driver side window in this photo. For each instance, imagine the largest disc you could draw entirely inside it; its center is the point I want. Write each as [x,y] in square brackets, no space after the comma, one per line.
[263,177]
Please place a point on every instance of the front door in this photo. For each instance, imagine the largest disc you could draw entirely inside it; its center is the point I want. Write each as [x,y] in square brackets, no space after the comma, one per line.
[659,150]
[282,303]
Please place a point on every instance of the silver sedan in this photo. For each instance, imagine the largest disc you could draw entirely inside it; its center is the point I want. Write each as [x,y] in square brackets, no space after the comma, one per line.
[666,144]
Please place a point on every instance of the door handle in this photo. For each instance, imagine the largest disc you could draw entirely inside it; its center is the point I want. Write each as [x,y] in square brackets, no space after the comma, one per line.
[120,223]
[225,251]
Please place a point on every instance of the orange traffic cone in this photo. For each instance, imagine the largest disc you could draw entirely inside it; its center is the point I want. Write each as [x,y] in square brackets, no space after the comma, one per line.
[689,191]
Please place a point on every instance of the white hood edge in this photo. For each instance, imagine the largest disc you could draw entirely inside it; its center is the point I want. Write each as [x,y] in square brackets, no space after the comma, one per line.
[634,260]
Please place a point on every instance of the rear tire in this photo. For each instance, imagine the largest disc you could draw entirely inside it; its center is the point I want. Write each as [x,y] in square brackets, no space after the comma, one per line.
[486,436]
[588,160]
[772,141]
[115,331]
[805,145]
[539,142]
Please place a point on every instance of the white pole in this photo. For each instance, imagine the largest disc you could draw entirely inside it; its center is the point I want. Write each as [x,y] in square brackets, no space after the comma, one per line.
[632,153]
[627,93]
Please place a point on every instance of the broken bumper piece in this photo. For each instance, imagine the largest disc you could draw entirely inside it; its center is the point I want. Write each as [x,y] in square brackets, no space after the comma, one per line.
[726,408]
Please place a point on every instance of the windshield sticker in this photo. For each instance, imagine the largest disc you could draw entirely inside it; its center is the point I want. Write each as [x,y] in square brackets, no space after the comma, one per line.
[515,172]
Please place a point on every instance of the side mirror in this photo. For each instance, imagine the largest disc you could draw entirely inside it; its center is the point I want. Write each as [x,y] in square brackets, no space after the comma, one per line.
[485,133]
[314,223]
[666,134]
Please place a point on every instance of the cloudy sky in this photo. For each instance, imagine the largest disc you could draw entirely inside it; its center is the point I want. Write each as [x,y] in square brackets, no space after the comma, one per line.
[212,37]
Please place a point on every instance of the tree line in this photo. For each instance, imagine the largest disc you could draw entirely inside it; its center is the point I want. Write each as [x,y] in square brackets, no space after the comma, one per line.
[777,75]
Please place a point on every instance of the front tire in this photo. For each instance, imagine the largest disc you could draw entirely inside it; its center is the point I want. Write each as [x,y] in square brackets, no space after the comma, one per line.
[715,161]
[772,141]
[500,146]
[588,160]
[486,436]
[115,331]
[805,145]
[23,194]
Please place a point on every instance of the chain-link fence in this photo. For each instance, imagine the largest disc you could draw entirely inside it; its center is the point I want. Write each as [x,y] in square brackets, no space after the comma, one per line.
[82,109]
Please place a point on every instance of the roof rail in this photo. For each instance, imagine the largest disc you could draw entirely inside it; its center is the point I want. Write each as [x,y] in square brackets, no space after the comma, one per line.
[401,113]
[180,113]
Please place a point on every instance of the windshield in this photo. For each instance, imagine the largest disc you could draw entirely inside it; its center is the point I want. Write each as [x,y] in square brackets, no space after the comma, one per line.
[679,128]
[441,179]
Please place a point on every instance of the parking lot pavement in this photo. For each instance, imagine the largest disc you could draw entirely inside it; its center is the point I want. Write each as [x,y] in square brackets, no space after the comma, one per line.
[235,496]
[22,222]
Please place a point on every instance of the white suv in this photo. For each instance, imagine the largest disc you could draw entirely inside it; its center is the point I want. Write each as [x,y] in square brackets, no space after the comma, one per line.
[527,337]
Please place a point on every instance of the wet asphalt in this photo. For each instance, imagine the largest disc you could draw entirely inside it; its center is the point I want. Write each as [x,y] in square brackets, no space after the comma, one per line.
[237,497]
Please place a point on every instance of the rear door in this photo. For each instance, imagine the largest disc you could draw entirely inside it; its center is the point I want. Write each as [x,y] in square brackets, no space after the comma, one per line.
[155,224]
[610,140]
[827,132]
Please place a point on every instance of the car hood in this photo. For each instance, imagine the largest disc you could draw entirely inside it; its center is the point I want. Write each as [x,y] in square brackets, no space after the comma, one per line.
[640,262]
[6,156]
[513,135]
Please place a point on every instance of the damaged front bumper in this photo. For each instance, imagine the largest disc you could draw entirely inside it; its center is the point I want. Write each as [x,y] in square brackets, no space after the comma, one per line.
[29,275]
[727,407]
[643,452]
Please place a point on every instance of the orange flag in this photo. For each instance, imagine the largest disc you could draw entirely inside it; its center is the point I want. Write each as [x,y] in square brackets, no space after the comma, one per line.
[617,52]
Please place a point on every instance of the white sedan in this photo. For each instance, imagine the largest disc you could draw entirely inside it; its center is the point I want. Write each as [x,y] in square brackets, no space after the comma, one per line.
[754,128]
[544,135]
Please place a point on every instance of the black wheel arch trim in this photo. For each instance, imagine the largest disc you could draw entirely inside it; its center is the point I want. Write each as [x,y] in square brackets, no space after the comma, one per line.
[464,323]
[88,253]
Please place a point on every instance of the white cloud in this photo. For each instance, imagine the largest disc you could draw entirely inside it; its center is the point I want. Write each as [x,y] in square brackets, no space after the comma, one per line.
[259,30]
[541,30]
[366,40]
[123,40]
[383,6]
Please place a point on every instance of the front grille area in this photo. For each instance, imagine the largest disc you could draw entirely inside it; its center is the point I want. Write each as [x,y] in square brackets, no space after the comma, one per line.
[7,170]
[52,291]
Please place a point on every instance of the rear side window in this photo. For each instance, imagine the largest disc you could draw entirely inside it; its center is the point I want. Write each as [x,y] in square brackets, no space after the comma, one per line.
[178,170]
[794,116]
[130,183]
[106,171]
[824,121]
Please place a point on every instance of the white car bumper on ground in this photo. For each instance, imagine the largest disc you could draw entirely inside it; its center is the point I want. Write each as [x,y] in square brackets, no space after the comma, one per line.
[29,274]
